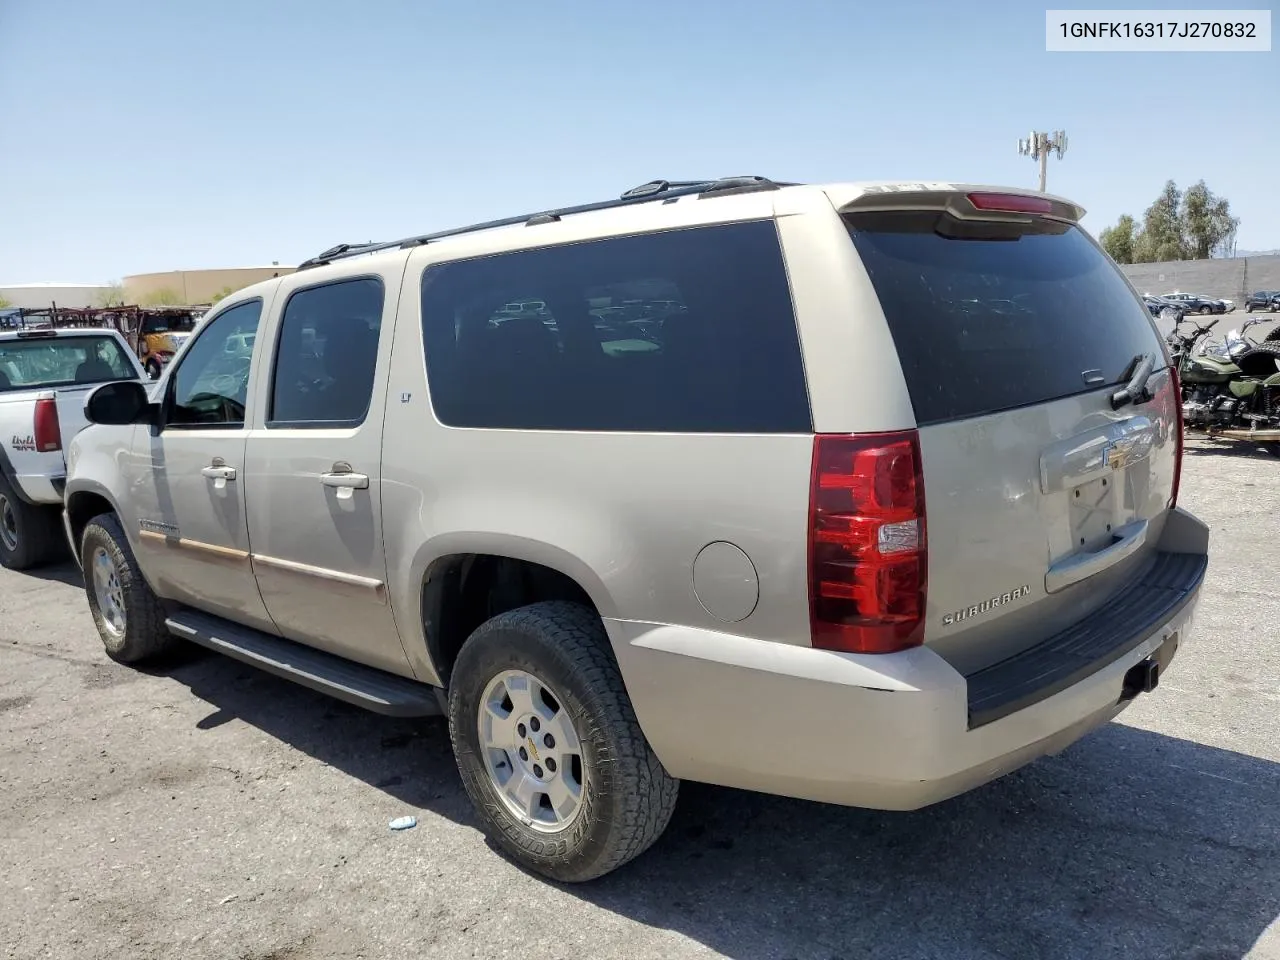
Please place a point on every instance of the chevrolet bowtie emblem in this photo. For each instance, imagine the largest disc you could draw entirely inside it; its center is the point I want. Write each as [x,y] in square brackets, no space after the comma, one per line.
[1117,456]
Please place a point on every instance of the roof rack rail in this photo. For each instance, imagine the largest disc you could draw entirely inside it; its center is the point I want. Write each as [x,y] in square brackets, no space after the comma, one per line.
[654,189]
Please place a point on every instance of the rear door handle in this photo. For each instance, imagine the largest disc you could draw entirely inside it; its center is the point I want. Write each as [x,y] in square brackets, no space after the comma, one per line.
[218,472]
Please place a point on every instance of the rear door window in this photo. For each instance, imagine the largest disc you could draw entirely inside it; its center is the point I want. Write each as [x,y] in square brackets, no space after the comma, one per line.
[992,322]
[683,331]
[327,354]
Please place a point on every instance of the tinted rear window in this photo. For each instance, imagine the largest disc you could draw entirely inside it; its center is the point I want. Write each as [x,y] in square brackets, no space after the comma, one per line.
[988,323]
[685,331]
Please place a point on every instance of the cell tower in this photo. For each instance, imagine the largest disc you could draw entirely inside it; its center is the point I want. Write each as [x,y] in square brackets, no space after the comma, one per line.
[1038,146]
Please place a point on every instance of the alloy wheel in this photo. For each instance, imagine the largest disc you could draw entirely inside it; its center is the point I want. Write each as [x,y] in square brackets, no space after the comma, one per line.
[108,592]
[531,750]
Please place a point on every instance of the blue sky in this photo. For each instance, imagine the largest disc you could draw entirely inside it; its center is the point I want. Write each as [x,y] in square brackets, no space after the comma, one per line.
[141,135]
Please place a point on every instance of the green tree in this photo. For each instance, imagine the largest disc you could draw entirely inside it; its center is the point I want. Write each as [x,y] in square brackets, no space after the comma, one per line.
[163,297]
[224,292]
[111,296]
[1119,241]
[4,304]
[1207,221]
[1195,224]
[1162,229]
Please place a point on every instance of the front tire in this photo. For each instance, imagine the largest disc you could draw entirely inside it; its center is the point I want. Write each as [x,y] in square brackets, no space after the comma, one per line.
[29,533]
[548,744]
[129,616]
[153,369]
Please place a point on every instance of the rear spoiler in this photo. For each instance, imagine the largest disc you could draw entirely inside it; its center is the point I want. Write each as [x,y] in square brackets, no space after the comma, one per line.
[965,203]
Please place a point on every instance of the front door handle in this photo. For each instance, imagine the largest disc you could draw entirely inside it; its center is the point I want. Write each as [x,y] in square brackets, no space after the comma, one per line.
[347,481]
[218,472]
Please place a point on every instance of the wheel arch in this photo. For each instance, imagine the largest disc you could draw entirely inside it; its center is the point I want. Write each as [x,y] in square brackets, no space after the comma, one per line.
[86,500]
[11,476]
[468,580]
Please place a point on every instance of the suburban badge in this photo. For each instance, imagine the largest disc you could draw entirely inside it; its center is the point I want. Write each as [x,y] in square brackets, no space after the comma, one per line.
[978,609]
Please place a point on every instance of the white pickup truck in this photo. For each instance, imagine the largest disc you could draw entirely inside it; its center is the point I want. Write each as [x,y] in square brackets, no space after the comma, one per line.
[45,376]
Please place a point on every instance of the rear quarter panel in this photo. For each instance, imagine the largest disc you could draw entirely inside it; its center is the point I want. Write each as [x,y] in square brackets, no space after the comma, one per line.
[623,514]
[17,442]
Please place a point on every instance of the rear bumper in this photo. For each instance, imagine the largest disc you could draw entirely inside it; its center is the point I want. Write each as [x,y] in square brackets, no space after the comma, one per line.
[890,731]
[40,488]
[1060,661]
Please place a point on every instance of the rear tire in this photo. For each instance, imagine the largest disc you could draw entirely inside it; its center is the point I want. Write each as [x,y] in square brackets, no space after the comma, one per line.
[551,661]
[1268,346]
[129,616]
[30,534]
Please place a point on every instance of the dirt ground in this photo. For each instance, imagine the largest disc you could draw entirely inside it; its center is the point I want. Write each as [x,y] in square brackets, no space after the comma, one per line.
[203,810]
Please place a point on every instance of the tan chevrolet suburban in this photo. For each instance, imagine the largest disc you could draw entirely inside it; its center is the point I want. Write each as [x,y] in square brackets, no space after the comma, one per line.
[868,495]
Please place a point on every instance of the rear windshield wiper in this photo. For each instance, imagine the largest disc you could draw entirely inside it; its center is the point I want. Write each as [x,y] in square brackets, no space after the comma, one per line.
[1135,391]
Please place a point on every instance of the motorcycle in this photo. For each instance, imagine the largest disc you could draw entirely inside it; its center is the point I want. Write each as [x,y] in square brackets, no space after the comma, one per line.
[1231,390]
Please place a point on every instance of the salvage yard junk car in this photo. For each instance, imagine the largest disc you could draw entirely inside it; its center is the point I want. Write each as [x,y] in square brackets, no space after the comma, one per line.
[45,376]
[818,526]
[161,332]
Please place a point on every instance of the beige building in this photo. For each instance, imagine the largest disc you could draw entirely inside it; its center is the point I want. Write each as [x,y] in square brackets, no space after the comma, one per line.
[194,286]
[42,296]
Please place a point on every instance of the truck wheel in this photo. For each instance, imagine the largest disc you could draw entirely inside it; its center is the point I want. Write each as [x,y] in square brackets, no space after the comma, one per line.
[128,615]
[29,533]
[548,744]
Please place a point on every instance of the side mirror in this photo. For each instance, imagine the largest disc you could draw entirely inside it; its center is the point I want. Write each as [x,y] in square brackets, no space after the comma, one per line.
[119,403]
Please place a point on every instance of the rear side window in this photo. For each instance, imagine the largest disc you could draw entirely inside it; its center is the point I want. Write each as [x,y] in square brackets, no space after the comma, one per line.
[327,354]
[685,331]
[1000,319]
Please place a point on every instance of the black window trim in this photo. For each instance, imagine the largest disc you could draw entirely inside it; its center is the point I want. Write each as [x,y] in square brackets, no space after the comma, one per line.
[771,219]
[273,424]
[172,380]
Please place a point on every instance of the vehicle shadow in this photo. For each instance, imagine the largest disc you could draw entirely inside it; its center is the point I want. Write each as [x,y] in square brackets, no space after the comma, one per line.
[1131,844]
[1241,449]
[63,571]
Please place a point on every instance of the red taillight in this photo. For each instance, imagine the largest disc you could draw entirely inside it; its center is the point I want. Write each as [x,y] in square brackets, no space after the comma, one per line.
[1010,203]
[48,433]
[867,549]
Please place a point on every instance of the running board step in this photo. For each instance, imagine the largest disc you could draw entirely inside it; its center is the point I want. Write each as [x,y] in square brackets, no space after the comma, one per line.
[342,679]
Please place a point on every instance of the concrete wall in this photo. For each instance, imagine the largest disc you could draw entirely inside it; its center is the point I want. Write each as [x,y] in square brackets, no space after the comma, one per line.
[1232,279]
[39,296]
[195,286]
